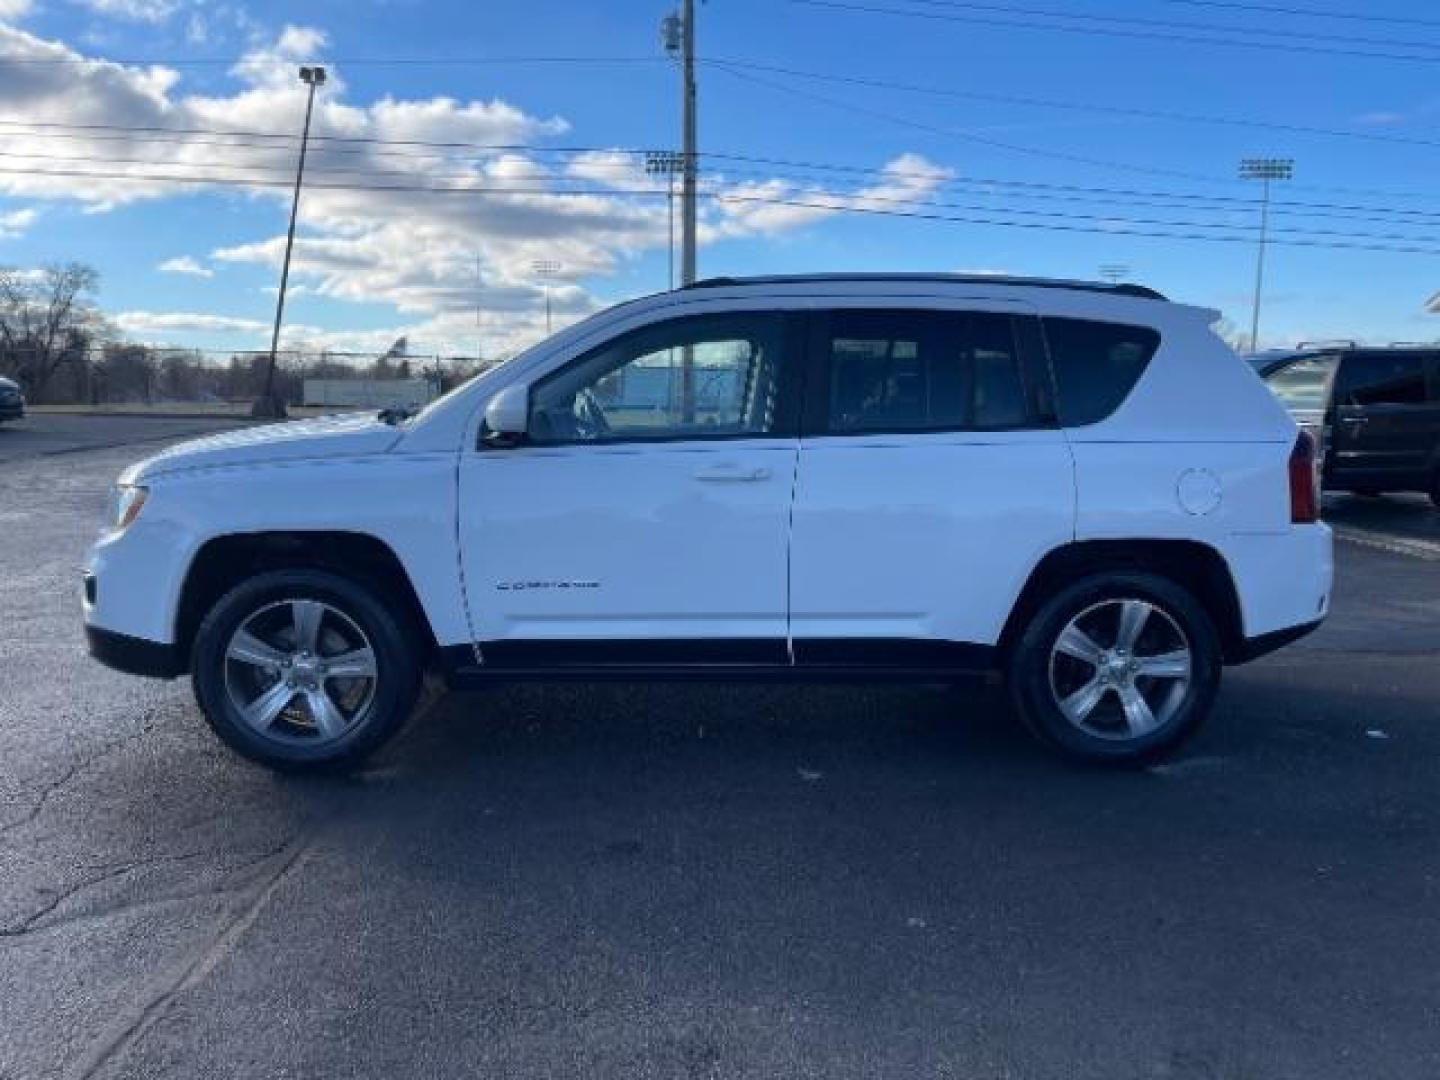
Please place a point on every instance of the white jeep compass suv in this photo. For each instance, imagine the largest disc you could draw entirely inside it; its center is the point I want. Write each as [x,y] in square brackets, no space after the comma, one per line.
[1076,485]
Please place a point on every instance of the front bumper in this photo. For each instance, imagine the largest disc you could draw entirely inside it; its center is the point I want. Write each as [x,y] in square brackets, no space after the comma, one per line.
[134,656]
[12,410]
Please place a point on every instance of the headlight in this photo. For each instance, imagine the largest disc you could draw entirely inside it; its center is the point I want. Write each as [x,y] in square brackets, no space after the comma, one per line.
[126,504]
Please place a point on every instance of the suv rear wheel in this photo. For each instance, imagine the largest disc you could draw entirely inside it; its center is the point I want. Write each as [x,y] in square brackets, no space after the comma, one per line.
[1118,667]
[304,669]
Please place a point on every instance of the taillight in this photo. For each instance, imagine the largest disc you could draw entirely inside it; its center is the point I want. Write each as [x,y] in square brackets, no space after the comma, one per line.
[1304,481]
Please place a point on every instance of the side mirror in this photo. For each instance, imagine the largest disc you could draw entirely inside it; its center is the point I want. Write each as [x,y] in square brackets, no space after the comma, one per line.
[506,417]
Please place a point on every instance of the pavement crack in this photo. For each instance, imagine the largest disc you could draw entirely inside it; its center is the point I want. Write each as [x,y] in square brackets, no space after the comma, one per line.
[71,772]
[105,873]
[191,971]
[32,923]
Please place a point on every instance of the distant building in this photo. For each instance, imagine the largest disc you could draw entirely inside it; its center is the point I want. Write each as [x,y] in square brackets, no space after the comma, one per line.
[369,393]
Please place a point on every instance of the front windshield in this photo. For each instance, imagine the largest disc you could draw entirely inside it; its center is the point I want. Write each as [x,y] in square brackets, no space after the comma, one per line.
[1305,384]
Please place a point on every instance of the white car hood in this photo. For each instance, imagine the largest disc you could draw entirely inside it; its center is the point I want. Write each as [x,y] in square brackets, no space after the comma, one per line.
[347,435]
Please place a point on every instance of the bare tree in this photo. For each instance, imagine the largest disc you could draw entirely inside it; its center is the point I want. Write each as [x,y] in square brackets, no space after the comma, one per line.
[47,319]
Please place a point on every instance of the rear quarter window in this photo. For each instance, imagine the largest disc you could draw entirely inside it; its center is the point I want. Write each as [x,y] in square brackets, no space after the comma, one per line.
[1096,365]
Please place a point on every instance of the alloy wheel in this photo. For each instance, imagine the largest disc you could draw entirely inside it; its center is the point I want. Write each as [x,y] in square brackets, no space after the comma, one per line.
[1120,669]
[301,671]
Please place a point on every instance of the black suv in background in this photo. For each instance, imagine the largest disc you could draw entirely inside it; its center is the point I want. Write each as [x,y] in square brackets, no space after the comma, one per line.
[12,402]
[1376,412]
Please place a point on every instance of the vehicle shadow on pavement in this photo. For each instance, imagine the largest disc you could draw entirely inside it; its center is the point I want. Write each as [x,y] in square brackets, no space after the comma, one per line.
[717,880]
[607,881]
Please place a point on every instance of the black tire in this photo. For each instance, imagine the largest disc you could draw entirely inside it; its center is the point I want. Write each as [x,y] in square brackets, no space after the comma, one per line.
[351,610]
[1032,674]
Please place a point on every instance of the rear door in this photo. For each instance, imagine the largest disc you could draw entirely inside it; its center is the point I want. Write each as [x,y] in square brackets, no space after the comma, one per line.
[931,479]
[1385,418]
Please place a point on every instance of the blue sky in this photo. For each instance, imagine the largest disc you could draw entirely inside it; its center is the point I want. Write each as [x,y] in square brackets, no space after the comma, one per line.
[195,264]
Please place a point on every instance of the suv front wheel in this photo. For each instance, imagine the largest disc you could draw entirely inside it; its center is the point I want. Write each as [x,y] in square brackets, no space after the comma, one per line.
[304,669]
[1118,667]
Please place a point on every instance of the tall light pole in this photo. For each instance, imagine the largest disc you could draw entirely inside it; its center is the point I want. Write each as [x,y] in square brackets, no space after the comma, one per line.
[1114,272]
[1264,170]
[545,269]
[667,163]
[269,404]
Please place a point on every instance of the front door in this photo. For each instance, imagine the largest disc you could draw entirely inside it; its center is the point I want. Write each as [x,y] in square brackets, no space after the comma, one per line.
[644,519]
[1385,421]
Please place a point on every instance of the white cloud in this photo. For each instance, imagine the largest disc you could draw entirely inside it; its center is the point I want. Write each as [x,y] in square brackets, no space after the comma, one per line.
[151,11]
[413,251]
[14,9]
[15,223]
[184,264]
[147,324]
[771,206]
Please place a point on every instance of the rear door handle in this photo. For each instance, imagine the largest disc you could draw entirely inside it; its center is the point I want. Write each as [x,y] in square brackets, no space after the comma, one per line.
[731,474]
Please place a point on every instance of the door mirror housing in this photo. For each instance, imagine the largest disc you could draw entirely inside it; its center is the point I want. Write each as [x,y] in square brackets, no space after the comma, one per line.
[506,417]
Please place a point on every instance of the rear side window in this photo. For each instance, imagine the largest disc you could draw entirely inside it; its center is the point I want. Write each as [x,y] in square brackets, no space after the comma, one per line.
[1382,379]
[1096,365]
[923,371]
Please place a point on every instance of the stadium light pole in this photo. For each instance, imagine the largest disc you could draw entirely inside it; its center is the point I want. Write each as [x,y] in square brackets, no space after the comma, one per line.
[546,269]
[269,405]
[1265,170]
[667,163]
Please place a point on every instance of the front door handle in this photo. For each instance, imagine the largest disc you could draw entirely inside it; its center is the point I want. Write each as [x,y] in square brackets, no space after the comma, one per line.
[731,474]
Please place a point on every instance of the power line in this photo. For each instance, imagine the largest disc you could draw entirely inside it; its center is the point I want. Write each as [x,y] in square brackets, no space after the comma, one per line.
[839,204]
[1108,231]
[1011,189]
[1171,24]
[282,139]
[1147,35]
[967,136]
[1034,189]
[239,139]
[1310,13]
[1050,103]
[1034,151]
[354,61]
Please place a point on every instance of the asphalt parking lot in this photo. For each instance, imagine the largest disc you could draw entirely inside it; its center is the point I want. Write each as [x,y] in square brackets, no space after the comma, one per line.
[50,434]
[701,881]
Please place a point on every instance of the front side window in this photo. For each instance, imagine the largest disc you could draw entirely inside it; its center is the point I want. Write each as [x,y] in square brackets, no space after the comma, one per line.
[700,377]
[1382,379]
[1096,365]
[896,371]
[1305,384]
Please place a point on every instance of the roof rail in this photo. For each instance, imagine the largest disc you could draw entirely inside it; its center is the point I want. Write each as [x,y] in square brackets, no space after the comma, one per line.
[1120,289]
[1329,343]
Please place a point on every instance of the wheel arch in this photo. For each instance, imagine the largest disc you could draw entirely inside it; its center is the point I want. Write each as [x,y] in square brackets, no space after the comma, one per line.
[224,561]
[1193,565]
